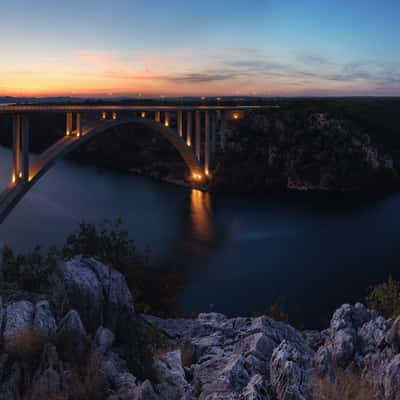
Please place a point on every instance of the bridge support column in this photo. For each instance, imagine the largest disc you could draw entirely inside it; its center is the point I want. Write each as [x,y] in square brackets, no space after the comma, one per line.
[166,119]
[207,144]
[222,127]
[103,115]
[180,123]
[16,148]
[68,129]
[20,149]
[158,116]
[25,150]
[213,132]
[189,128]
[78,125]
[198,135]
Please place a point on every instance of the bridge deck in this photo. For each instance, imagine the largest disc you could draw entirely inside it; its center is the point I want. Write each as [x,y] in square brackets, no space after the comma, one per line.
[23,108]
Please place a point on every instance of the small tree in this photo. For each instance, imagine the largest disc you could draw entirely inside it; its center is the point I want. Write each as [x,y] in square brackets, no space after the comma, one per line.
[385,298]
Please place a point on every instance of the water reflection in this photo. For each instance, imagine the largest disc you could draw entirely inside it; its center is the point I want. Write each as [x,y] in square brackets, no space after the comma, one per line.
[200,233]
[201,215]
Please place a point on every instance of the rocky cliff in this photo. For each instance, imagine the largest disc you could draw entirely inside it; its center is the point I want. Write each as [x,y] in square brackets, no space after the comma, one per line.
[83,340]
[301,150]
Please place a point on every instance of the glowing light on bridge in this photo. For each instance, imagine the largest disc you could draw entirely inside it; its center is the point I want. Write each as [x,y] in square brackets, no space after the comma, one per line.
[236,116]
[197,177]
[13,178]
[114,116]
[20,175]
[143,114]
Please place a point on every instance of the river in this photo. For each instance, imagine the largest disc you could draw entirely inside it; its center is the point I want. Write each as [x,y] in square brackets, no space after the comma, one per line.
[240,253]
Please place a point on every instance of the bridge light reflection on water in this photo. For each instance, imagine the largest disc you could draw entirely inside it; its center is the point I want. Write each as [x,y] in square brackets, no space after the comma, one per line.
[201,215]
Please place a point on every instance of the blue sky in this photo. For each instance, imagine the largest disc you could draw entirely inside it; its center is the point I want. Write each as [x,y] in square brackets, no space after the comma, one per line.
[178,47]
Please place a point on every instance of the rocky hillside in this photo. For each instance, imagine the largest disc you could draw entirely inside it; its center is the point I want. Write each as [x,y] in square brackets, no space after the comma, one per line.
[81,339]
[303,150]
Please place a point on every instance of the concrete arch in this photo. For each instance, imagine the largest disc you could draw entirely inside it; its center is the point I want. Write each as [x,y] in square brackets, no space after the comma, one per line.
[15,192]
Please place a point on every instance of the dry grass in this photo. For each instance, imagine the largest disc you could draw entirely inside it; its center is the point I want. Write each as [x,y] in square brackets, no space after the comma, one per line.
[348,385]
[27,343]
[187,354]
[89,383]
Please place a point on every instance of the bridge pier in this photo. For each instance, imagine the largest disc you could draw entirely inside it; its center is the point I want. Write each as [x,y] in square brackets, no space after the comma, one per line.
[20,149]
[68,129]
[16,147]
[207,144]
[213,132]
[78,125]
[189,128]
[222,127]
[198,135]
[25,149]
[180,123]
[166,119]
[158,116]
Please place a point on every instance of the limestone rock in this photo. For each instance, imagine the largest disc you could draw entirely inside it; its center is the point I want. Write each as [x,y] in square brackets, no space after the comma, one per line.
[291,372]
[72,337]
[44,321]
[391,380]
[171,375]
[103,340]
[393,335]
[19,318]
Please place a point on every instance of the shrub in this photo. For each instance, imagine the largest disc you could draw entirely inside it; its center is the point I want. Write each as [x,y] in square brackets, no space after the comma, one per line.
[108,242]
[31,270]
[385,298]
[277,310]
[155,288]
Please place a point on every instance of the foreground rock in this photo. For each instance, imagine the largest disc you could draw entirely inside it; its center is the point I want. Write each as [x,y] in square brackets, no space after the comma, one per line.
[85,341]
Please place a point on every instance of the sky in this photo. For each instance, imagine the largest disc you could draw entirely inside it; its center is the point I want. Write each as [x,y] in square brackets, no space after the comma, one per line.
[199,48]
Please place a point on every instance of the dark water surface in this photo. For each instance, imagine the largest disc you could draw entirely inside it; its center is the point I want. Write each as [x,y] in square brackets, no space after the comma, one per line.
[239,252]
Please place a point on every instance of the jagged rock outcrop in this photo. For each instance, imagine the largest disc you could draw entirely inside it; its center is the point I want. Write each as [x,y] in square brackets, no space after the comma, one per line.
[231,358]
[212,357]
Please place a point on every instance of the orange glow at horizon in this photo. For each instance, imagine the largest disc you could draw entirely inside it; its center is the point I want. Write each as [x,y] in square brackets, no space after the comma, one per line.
[107,74]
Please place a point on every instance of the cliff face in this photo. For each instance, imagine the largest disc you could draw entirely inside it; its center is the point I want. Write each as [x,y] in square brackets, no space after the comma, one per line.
[82,339]
[302,151]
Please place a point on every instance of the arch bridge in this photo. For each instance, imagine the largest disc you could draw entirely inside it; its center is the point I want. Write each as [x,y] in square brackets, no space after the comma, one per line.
[193,131]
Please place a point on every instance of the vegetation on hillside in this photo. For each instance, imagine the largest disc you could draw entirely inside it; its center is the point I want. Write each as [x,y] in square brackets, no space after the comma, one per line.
[155,288]
[385,298]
